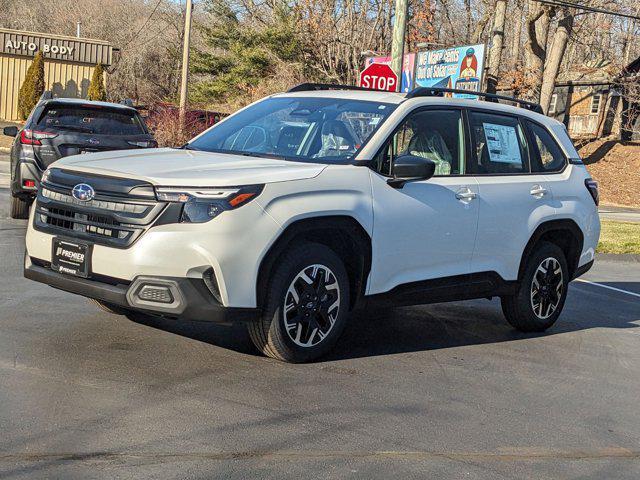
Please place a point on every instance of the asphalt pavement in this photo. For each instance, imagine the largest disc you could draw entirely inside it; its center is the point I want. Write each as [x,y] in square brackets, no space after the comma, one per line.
[440,391]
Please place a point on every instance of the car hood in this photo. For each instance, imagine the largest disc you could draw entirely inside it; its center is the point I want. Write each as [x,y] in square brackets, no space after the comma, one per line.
[172,167]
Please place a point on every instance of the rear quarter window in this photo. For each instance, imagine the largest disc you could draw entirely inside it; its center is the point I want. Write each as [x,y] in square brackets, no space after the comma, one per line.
[92,120]
[547,154]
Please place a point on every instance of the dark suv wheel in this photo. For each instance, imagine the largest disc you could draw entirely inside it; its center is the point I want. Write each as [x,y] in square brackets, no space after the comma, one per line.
[542,291]
[306,305]
[20,208]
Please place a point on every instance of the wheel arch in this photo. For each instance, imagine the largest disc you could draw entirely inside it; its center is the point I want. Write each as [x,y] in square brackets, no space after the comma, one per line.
[565,233]
[341,233]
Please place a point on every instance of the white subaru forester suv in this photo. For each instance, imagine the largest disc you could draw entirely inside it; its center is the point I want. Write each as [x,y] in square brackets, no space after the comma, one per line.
[306,205]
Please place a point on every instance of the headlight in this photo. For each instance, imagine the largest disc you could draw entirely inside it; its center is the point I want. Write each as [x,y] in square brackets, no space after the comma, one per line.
[46,175]
[203,204]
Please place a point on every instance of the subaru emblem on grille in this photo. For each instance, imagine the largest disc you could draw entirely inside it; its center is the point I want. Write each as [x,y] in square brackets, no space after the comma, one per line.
[83,192]
[93,141]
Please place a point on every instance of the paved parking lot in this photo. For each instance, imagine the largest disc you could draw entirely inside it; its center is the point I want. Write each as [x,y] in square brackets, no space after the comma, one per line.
[442,391]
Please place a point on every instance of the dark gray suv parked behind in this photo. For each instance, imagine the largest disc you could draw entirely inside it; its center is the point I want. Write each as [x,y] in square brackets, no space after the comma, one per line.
[61,127]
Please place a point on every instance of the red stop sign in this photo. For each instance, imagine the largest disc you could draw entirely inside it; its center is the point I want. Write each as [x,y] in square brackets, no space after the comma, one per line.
[379,76]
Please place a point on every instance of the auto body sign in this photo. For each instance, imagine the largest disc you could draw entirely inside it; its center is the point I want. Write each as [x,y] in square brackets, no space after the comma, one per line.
[458,67]
[33,47]
[55,47]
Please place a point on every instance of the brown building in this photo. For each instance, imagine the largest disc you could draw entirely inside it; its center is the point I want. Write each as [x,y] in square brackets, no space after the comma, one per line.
[69,64]
[597,102]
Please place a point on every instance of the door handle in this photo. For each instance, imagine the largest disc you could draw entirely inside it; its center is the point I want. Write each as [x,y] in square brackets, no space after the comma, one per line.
[538,191]
[465,194]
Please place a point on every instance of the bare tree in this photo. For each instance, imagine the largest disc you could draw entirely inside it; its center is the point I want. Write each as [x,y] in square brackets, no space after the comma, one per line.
[537,26]
[556,54]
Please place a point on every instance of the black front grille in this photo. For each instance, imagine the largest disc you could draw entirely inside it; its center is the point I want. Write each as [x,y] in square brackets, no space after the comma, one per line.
[112,219]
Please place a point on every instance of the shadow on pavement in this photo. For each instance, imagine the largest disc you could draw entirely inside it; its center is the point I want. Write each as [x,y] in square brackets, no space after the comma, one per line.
[432,327]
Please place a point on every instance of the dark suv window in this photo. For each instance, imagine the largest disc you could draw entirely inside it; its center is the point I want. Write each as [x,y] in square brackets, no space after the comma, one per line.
[499,144]
[547,155]
[93,120]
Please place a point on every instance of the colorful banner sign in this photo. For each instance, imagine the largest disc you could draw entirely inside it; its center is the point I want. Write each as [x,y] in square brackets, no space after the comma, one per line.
[458,67]
[408,66]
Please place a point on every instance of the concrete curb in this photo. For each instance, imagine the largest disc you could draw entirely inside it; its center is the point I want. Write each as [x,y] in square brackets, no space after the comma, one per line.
[618,257]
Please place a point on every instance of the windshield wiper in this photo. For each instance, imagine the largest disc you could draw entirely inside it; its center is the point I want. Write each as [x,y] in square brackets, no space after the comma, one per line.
[186,146]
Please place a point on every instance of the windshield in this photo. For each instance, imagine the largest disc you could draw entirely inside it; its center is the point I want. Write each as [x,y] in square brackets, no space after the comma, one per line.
[323,130]
[93,120]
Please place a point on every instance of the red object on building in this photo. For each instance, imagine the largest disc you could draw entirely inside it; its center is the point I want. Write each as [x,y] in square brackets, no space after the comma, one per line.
[379,76]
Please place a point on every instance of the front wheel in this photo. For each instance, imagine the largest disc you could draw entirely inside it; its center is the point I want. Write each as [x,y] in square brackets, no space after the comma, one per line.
[306,305]
[108,307]
[542,291]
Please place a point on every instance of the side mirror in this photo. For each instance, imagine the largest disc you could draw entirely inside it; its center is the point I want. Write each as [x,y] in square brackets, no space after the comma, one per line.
[10,131]
[407,168]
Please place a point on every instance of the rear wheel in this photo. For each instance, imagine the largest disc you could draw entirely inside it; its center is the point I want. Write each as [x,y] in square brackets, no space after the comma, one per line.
[20,208]
[306,305]
[542,291]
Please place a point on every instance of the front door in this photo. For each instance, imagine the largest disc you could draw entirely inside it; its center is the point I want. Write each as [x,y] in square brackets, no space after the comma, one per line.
[426,229]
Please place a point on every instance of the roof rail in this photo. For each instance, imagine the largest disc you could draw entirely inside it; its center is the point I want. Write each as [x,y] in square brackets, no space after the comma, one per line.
[490,97]
[306,87]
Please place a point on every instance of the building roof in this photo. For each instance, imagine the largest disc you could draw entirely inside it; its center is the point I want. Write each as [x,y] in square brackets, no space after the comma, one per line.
[30,33]
[586,75]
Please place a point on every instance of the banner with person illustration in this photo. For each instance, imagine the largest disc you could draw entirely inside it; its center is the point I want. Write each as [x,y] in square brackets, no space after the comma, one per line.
[457,67]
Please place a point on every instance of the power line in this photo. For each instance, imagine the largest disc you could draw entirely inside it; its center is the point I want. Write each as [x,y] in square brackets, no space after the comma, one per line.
[142,27]
[568,4]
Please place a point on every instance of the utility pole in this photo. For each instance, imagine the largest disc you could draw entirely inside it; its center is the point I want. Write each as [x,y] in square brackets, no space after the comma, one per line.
[397,42]
[497,43]
[185,62]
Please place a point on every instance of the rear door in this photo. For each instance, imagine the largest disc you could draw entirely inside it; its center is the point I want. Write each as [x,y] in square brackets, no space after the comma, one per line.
[513,200]
[78,128]
[426,229]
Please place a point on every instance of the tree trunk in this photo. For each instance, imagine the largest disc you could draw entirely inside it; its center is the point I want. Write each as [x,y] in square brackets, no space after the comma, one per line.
[497,42]
[535,52]
[558,46]
[517,36]
[467,8]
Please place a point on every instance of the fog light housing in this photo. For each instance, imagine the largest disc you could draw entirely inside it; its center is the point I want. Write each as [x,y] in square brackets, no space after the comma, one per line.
[155,293]
[162,295]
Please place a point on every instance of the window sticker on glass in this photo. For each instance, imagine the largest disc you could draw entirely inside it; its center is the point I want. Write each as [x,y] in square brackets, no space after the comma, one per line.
[502,143]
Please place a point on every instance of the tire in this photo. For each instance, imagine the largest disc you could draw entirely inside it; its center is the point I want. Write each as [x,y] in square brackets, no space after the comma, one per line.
[108,307]
[536,306]
[290,330]
[20,208]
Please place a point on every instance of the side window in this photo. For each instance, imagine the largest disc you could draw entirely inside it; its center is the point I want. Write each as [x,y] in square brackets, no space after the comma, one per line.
[433,134]
[498,143]
[548,157]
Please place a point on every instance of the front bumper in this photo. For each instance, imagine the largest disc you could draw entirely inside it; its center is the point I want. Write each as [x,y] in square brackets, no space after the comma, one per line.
[191,299]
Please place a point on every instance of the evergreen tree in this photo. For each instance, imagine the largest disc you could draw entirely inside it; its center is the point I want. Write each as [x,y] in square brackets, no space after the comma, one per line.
[96,87]
[32,88]
[244,55]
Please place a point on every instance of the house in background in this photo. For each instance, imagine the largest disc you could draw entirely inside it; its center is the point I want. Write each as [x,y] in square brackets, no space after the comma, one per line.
[630,104]
[580,101]
[591,102]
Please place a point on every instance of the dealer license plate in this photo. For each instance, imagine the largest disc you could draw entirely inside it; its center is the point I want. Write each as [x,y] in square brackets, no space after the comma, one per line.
[70,257]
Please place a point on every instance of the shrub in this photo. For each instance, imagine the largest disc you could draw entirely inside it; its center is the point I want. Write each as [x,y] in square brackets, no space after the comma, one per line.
[96,87]
[32,88]
[165,124]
